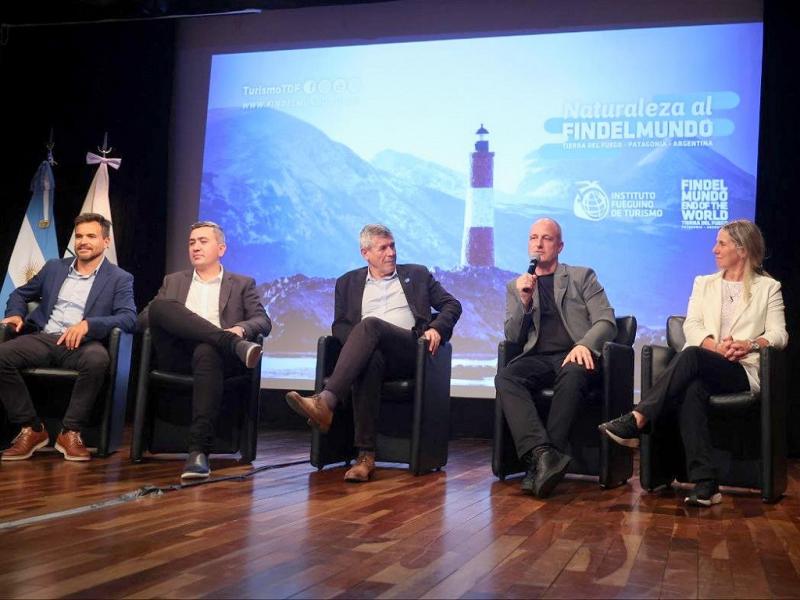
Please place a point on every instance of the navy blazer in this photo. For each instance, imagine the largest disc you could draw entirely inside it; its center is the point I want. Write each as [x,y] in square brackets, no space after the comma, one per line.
[110,303]
[422,292]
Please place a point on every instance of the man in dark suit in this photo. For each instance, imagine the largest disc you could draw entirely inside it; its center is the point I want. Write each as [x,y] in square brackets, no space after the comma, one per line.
[202,321]
[380,312]
[81,300]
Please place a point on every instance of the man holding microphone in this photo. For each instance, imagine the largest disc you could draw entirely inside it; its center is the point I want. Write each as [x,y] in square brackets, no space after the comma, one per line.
[561,316]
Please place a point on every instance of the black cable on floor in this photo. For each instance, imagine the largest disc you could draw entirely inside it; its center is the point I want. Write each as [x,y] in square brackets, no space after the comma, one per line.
[180,486]
[146,490]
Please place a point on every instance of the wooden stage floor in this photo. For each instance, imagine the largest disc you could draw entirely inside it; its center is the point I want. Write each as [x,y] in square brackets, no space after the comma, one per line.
[296,532]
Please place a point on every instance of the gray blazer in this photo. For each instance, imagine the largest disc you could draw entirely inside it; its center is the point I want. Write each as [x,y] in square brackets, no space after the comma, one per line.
[582,304]
[239,303]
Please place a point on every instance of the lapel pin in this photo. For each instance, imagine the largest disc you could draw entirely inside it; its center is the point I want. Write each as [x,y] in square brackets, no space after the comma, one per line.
[407,280]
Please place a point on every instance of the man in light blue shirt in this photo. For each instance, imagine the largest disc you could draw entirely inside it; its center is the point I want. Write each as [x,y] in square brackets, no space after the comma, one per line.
[80,301]
[384,298]
[380,311]
[71,301]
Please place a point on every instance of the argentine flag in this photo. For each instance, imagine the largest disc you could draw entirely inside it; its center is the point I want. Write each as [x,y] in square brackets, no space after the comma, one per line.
[36,242]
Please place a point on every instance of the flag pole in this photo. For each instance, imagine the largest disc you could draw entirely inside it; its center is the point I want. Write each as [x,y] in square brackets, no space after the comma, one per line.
[105,150]
[44,222]
[50,145]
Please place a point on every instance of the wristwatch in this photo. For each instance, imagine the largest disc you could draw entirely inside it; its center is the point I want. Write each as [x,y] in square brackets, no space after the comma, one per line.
[754,346]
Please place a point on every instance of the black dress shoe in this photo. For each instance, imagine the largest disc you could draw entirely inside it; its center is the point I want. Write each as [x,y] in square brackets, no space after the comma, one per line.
[551,465]
[196,466]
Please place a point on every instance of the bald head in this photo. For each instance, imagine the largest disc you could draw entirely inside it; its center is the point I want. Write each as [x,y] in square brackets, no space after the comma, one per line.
[553,223]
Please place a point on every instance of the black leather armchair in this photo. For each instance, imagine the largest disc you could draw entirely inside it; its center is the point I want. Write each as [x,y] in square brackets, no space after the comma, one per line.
[414,422]
[748,431]
[592,453]
[164,410]
[51,387]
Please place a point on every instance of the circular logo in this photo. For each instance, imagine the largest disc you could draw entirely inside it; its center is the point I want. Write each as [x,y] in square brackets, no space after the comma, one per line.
[591,201]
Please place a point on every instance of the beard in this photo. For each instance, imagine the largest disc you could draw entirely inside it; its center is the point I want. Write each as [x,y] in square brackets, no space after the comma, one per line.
[93,253]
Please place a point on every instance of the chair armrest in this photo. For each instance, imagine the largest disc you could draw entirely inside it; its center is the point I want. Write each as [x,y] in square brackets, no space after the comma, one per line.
[506,352]
[616,462]
[431,416]
[119,345]
[112,343]
[617,379]
[774,416]
[655,359]
[328,348]
[436,366]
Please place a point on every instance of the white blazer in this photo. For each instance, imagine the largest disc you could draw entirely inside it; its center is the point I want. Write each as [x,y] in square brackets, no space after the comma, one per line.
[761,316]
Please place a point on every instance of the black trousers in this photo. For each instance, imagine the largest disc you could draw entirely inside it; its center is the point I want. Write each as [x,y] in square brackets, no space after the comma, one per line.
[187,343]
[90,359]
[527,375]
[375,350]
[692,377]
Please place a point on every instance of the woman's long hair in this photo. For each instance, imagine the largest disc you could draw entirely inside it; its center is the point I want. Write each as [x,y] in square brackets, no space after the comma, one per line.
[746,235]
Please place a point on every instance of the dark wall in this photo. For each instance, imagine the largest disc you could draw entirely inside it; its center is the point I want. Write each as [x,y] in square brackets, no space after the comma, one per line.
[778,208]
[82,81]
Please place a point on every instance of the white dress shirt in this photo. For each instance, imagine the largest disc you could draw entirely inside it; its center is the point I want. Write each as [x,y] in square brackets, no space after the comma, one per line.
[203,297]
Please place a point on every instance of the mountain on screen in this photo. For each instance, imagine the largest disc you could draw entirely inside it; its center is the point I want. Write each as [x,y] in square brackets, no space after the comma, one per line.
[418,171]
[411,169]
[293,201]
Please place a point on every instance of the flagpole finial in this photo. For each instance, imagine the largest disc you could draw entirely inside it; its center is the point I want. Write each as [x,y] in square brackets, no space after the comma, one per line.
[105,150]
[50,145]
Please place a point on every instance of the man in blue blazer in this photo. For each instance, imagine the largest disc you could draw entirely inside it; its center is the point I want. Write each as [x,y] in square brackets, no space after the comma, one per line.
[80,301]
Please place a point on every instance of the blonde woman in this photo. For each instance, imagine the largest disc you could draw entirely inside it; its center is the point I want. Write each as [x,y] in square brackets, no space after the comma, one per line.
[732,314]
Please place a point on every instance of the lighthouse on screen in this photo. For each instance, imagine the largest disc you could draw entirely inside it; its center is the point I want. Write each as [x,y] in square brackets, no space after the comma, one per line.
[477,247]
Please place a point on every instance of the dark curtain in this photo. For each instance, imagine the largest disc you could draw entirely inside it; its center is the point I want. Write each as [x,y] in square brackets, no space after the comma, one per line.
[777,207]
[82,81]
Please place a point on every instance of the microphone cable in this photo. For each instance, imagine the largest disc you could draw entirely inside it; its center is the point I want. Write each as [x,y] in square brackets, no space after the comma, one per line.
[145,490]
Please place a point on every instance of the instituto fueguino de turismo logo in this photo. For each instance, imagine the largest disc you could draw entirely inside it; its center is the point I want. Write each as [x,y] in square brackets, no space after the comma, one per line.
[592,203]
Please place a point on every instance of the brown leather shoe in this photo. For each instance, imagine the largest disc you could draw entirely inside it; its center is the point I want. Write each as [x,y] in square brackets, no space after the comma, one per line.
[26,443]
[312,407]
[363,469]
[70,444]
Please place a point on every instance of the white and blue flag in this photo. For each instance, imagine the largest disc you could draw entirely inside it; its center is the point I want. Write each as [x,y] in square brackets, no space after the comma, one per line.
[97,200]
[36,242]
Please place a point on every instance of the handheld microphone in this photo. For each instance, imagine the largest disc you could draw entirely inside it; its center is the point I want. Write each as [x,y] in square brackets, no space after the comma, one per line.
[531,270]
[532,264]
